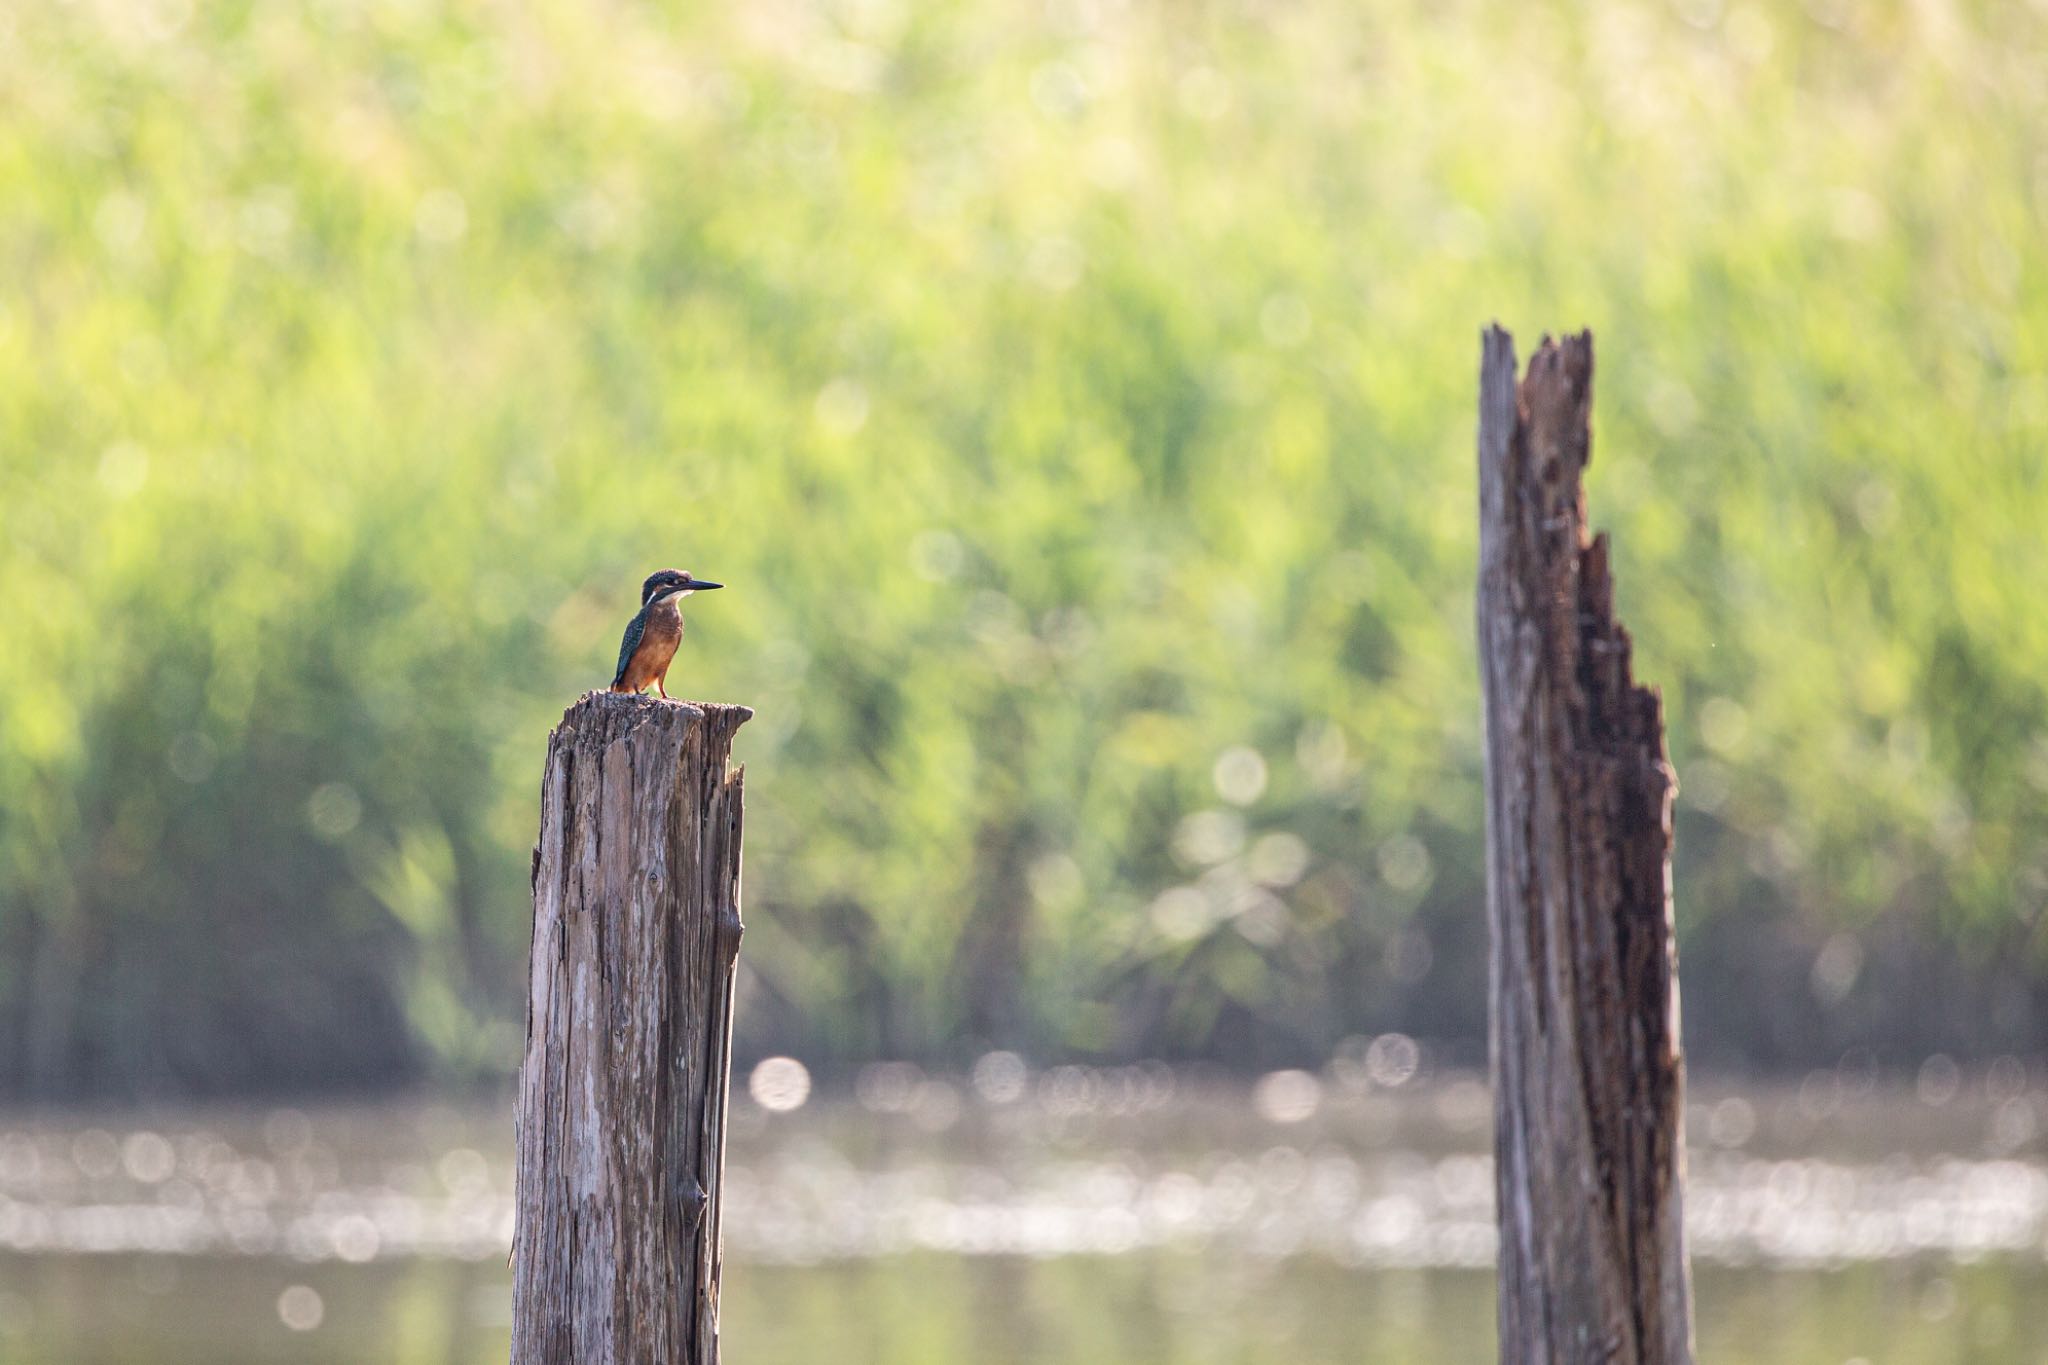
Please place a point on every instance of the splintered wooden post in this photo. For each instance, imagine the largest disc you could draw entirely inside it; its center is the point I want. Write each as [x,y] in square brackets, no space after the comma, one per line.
[622,1096]
[1588,1076]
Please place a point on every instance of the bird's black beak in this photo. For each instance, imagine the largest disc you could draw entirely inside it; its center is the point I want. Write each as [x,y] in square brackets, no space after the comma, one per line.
[699,585]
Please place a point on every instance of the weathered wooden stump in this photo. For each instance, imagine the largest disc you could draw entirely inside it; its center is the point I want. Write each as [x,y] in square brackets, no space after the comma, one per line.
[1588,1076]
[622,1096]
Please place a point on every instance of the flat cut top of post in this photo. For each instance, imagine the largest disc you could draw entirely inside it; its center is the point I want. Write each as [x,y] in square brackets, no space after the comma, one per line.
[609,716]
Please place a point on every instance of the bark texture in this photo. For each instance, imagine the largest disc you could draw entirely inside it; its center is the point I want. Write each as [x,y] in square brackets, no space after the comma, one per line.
[622,1097]
[1588,1075]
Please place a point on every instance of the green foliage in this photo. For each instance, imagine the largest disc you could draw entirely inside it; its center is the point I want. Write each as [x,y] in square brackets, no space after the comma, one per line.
[1079,404]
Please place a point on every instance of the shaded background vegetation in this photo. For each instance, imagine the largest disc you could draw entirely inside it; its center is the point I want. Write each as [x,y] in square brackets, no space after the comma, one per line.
[1078,400]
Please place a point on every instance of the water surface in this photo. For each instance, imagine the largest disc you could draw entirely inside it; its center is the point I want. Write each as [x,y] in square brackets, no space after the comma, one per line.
[1129,1215]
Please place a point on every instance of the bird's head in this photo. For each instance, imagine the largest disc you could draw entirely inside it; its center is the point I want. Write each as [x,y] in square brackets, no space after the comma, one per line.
[672,583]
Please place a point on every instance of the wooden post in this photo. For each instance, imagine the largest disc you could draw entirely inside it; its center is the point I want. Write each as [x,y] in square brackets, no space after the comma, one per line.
[1588,1076]
[622,1097]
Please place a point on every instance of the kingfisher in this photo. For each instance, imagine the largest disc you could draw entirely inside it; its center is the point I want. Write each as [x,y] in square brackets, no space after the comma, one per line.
[652,636]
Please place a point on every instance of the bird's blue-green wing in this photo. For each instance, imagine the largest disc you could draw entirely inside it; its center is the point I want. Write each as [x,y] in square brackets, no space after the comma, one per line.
[634,629]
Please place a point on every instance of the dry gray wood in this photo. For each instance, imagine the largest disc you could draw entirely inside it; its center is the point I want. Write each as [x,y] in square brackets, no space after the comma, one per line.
[622,1096]
[1588,1075]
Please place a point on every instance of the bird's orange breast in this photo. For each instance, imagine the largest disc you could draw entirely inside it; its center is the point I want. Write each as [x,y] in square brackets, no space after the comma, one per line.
[657,646]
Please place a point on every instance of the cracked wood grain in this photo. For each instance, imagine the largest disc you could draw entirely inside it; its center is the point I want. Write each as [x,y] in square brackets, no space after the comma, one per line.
[622,1093]
[1588,1074]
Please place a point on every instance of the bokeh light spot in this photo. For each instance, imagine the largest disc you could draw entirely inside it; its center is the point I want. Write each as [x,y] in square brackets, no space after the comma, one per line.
[299,1308]
[1182,912]
[1939,1080]
[1404,863]
[842,406]
[779,1084]
[1000,1077]
[1240,775]
[334,810]
[1209,836]
[148,1157]
[1287,1096]
[1392,1060]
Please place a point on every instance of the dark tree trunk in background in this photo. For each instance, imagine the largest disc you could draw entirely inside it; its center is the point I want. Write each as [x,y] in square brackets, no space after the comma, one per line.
[1588,1077]
[622,1097]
